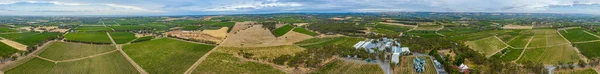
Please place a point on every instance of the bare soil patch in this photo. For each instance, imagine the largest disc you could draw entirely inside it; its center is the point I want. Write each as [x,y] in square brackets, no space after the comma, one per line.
[212,35]
[14,44]
[300,24]
[256,36]
[241,26]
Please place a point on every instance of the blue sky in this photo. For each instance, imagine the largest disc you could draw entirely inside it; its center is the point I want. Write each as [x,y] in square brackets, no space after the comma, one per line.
[218,7]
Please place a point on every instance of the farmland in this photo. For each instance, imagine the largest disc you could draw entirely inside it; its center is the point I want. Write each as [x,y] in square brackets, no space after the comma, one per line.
[146,38]
[343,67]
[166,56]
[6,50]
[30,38]
[509,54]
[585,71]
[98,37]
[265,52]
[112,63]
[93,29]
[282,30]
[577,35]
[488,46]
[424,34]
[65,51]
[520,41]
[305,31]
[4,30]
[454,31]
[589,50]
[322,42]
[122,37]
[429,27]
[393,28]
[224,63]
[406,66]
[547,45]
[129,28]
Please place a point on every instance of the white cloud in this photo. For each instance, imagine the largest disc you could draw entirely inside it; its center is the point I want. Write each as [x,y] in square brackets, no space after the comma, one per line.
[258,5]
[131,7]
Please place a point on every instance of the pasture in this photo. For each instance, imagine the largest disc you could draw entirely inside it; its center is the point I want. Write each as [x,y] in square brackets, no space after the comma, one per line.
[589,50]
[488,46]
[30,38]
[343,67]
[93,29]
[112,63]
[98,37]
[65,51]
[166,56]
[577,35]
[224,63]
[282,30]
[406,66]
[305,31]
[122,37]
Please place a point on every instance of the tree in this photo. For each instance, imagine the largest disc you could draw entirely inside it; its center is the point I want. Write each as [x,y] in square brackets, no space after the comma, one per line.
[582,63]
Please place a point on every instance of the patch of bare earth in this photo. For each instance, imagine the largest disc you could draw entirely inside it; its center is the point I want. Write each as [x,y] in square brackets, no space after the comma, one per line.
[210,35]
[300,24]
[256,36]
[15,45]
[241,26]
[511,26]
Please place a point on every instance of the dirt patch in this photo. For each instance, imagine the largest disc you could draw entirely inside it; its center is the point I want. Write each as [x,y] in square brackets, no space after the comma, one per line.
[142,35]
[197,35]
[300,24]
[398,24]
[510,26]
[341,18]
[15,45]
[279,25]
[256,36]
[241,26]
[27,28]
[222,33]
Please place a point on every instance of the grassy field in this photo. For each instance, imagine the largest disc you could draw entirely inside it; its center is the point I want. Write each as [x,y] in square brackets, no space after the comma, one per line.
[385,32]
[224,63]
[519,41]
[429,27]
[166,56]
[6,50]
[93,29]
[265,52]
[190,27]
[112,63]
[424,34]
[479,35]
[589,50]
[509,54]
[4,30]
[393,28]
[122,37]
[305,31]
[454,31]
[146,38]
[322,42]
[99,37]
[550,55]
[65,51]
[586,71]
[282,30]
[30,38]
[577,35]
[406,66]
[342,67]
[129,28]
[488,46]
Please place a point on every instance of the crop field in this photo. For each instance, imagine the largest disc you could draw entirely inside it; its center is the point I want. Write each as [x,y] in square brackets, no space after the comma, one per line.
[585,71]
[93,29]
[65,51]
[520,41]
[157,26]
[509,36]
[509,54]
[129,28]
[454,31]
[146,38]
[305,31]
[406,66]
[429,27]
[488,46]
[122,37]
[551,55]
[424,34]
[99,37]
[394,28]
[4,30]
[190,27]
[546,37]
[577,35]
[342,67]
[166,56]
[385,32]
[30,38]
[322,42]
[112,63]
[6,50]
[265,52]
[224,63]
[479,35]
[589,50]
[282,30]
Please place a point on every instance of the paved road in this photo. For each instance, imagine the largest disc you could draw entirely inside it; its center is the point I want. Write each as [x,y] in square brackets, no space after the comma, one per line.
[140,69]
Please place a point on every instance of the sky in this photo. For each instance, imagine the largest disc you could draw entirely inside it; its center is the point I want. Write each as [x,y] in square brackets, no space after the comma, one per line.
[224,7]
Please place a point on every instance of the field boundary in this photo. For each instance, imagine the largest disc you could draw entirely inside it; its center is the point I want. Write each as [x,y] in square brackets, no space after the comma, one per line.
[137,67]
[503,42]
[189,70]
[524,48]
[19,61]
[581,56]
[592,34]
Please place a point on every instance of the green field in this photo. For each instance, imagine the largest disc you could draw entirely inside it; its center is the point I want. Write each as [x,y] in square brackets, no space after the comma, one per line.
[4,30]
[98,37]
[424,34]
[166,56]
[146,38]
[519,41]
[282,30]
[190,27]
[586,71]
[322,42]
[342,67]
[577,35]
[454,31]
[393,28]
[65,51]
[589,50]
[385,32]
[129,28]
[479,35]
[93,29]
[547,45]
[305,31]
[429,27]
[509,54]
[6,50]
[112,63]
[488,46]
[122,37]
[224,63]
[30,38]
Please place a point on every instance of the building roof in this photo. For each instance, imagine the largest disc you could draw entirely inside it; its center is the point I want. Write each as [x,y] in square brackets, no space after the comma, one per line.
[396,57]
